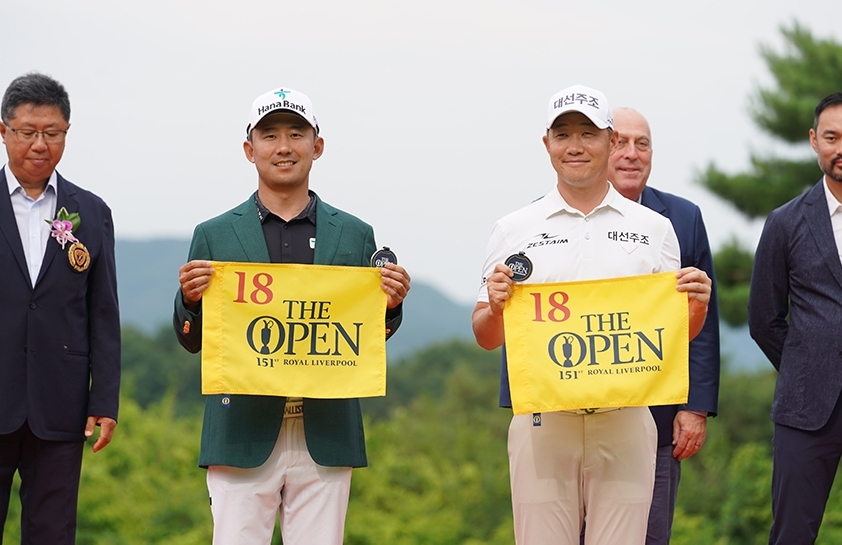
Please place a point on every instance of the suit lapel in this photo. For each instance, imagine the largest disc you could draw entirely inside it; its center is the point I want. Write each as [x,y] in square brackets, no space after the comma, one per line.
[65,198]
[650,200]
[9,226]
[818,221]
[246,225]
[328,228]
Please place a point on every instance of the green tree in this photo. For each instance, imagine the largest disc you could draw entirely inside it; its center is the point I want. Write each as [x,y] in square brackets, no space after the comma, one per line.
[145,487]
[806,71]
[155,366]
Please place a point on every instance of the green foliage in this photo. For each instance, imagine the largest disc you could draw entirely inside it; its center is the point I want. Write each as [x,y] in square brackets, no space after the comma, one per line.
[770,183]
[733,273]
[438,466]
[438,470]
[425,373]
[808,70]
[156,366]
[145,487]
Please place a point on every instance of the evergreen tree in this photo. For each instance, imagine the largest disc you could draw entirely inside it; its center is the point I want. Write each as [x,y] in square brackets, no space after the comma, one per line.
[806,71]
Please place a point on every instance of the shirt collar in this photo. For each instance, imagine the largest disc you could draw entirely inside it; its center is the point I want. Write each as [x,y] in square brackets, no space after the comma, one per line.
[554,203]
[833,205]
[309,211]
[13,183]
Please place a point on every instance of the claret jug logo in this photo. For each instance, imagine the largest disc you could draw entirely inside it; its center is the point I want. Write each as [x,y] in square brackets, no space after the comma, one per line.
[264,336]
[609,339]
[318,336]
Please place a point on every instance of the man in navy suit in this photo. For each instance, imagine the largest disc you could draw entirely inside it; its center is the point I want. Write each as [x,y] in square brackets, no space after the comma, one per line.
[59,322]
[794,313]
[681,428]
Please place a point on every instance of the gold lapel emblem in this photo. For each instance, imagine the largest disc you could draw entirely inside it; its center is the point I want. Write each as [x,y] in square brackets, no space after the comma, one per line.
[79,257]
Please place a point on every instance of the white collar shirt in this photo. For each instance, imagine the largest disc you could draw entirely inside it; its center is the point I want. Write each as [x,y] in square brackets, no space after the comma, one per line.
[32,217]
[617,238]
[835,210]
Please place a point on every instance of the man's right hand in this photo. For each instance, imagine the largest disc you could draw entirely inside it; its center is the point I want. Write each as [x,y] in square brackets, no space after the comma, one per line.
[487,318]
[499,286]
[194,278]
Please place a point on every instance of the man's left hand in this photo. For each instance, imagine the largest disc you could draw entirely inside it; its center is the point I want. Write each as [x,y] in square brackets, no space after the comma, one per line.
[395,282]
[688,434]
[106,430]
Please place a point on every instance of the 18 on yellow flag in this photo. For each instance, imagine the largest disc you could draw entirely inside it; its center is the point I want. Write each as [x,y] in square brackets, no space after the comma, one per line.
[619,342]
[294,330]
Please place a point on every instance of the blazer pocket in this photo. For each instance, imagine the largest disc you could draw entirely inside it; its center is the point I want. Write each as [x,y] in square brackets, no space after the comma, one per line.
[347,259]
[791,386]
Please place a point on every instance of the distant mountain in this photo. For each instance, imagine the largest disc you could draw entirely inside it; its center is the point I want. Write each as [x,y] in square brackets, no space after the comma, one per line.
[147,280]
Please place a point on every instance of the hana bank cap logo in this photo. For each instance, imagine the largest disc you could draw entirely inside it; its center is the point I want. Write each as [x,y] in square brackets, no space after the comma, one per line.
[281,99]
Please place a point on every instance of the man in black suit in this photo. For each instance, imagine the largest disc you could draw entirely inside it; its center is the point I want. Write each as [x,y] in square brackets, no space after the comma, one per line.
[795,310]
[59,322]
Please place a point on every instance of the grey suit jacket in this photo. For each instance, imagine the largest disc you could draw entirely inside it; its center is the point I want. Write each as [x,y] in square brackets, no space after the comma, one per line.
[795,309]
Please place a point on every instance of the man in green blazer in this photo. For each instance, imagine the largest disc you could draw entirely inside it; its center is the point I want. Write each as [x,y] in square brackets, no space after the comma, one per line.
[273,455]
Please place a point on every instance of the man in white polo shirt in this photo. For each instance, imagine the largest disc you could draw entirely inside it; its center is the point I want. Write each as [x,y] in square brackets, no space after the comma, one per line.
[577,466]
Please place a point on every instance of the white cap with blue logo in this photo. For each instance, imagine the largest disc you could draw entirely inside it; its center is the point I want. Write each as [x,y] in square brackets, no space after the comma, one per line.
[578,98]
[281,99]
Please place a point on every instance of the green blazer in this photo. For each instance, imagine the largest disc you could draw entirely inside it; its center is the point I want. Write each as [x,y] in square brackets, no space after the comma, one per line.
[242,431]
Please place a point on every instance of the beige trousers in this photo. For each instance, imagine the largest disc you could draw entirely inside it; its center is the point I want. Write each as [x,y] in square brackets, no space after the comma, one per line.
[573,468]
[311,500]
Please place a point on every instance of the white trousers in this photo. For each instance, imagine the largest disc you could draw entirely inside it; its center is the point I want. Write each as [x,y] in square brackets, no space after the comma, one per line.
[598,468]
[311,500]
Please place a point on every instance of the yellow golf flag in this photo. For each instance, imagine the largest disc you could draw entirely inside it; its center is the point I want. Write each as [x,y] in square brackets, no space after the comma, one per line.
[618,342]
[294,330]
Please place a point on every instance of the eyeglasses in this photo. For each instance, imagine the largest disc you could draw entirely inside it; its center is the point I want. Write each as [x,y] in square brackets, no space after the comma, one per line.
[52,136]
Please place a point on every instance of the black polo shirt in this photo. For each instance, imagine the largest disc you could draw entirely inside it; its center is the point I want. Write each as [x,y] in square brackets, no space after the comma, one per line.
[292,241]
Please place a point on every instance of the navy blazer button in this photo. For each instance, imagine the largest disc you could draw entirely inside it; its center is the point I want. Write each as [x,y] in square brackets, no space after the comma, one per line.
[32,305]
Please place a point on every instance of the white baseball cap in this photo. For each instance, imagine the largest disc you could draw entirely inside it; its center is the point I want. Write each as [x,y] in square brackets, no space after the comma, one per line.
[585,100]
[281,99]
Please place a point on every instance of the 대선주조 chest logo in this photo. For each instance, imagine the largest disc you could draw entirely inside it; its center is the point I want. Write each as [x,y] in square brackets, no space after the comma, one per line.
[625,236]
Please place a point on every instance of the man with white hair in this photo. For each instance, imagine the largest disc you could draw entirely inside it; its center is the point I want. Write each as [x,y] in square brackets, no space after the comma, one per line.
[681,428]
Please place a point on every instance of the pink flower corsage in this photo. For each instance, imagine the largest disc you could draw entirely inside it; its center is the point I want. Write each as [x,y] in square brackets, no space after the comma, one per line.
[63,227]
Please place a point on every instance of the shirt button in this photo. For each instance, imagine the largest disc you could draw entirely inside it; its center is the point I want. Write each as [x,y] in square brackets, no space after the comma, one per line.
[286,225]
[586,219]
[286,244]
[32,305]
[587,236]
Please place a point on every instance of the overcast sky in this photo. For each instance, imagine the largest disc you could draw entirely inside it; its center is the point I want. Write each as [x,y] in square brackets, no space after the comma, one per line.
[432,112]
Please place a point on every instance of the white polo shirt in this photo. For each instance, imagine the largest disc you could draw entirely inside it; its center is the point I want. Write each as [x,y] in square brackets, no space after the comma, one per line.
[618,238]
